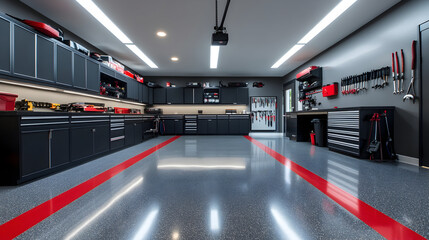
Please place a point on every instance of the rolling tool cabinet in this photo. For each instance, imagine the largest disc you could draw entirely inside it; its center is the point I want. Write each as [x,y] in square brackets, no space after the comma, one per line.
[349,129]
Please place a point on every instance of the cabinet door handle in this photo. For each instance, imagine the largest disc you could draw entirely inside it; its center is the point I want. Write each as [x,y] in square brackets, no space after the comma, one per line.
[176,120]
[135,124]
[94,130]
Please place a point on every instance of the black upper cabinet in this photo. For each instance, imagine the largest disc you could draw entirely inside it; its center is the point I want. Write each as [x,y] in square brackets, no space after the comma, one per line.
[234,95]
[243,95]
[174,95]
[228,95]
[24,52]
[92,76]
[132,89]
[193,95]
[150,100]
[140,92]
[4,45]
[188,95]
[159,96]
[145,93]
[79,72]
[45,59]
[198,95]
[64,66]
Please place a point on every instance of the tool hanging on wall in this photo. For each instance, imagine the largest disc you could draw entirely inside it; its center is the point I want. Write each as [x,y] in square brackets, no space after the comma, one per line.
[402,72]
[358,83]
[390,146]
[374,146]
[411,93]
[398,75]
[393,74]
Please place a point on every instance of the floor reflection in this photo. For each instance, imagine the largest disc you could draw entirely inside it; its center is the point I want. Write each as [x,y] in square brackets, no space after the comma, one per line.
[108,205]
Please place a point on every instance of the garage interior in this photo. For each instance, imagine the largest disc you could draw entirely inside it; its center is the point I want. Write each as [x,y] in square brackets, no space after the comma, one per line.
[219,119]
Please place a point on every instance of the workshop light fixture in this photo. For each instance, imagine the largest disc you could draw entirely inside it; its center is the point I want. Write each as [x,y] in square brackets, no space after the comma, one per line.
[214,56]
[325,22]
[98,14]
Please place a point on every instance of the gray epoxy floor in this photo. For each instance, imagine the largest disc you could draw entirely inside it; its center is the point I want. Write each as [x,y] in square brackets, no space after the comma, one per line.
[223,187]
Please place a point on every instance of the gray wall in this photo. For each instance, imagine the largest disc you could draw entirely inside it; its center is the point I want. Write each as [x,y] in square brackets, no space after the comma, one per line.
[371,48]
[273,86]
[20,10]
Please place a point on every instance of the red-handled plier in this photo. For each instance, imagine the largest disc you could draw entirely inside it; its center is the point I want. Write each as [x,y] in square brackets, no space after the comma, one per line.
[393,73]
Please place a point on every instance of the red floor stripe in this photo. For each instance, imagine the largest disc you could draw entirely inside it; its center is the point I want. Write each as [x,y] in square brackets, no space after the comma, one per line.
[380,222]
[27,220]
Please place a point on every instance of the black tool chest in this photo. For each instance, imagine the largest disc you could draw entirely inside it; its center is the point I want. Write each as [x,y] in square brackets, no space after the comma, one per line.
[37,144]
[349,129]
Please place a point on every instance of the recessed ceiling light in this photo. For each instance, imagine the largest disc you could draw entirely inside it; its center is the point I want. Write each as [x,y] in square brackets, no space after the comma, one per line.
[174,59]
[161,34]
[326,21]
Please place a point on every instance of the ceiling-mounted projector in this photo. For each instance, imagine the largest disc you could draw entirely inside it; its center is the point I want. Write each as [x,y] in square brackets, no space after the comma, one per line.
[220,36]
[219,39]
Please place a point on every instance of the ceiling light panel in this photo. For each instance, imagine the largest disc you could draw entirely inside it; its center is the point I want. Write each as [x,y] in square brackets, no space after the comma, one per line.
[96,12]
[287,55]
[326,21]
[141,55]
[214,56]
[174,59]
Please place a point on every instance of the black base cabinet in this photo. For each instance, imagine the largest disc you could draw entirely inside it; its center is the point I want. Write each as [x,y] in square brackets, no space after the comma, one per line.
[207,124]
[172,125]
[90,136]
[37,144]
[133,130]
[237,124]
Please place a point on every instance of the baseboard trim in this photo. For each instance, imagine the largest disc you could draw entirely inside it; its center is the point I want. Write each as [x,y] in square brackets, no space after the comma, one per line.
[408,160]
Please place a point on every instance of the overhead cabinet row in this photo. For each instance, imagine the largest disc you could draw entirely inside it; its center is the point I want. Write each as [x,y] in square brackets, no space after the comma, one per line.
[29,56]
[178,95]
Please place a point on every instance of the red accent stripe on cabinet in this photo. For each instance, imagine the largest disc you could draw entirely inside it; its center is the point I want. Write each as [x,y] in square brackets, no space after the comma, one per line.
[29,219]
[380,222]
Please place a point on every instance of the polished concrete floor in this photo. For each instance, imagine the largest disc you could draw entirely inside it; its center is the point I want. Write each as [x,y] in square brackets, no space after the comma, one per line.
[223,187]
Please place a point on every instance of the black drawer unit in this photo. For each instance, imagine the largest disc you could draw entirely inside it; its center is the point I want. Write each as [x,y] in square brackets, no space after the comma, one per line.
[349,130]
[117,131]
[343,132]
[191,124]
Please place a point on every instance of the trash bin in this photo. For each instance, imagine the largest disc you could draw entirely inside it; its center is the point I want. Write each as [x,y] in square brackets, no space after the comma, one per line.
[320,130]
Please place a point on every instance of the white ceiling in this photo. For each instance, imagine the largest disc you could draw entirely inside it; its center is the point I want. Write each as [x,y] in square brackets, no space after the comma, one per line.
[260,32]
